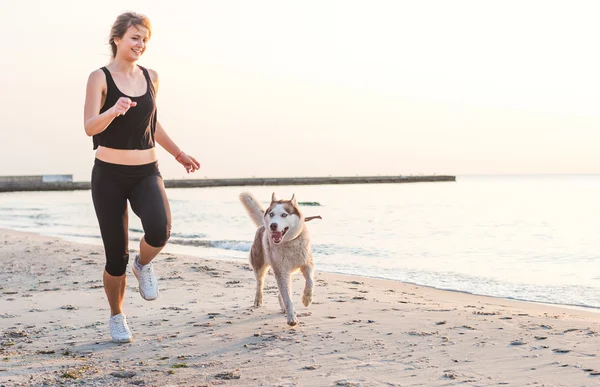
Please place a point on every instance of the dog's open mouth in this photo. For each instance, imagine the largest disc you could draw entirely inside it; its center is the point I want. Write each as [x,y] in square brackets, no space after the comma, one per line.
[278,235]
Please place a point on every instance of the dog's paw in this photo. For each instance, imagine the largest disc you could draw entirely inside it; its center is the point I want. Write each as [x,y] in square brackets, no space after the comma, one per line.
[292,321]
[258,302]
[307,298]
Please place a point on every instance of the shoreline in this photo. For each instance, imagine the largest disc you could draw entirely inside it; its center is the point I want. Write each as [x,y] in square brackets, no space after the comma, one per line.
[172,249]
[204,331]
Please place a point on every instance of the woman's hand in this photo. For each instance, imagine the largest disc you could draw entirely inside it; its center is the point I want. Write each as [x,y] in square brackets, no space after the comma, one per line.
[122,106]
[190,163]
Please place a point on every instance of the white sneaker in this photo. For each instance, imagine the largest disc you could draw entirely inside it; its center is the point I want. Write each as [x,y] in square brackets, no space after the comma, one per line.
[119,331]
[148,284]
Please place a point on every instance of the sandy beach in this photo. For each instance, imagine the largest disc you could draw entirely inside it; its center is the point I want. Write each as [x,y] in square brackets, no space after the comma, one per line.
[203,330]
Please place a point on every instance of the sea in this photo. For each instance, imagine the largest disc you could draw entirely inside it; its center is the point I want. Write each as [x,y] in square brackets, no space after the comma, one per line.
[531,238]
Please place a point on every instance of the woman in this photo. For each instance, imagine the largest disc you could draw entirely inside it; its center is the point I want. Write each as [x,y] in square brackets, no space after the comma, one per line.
[120,115]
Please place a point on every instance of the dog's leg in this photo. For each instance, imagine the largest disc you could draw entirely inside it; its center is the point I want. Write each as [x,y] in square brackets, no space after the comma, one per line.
[309,272]
[281,303]
[259,264]
[260,274]
[284,282]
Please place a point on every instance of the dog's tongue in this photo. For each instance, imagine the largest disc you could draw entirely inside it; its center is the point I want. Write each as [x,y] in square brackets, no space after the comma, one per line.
[277,236]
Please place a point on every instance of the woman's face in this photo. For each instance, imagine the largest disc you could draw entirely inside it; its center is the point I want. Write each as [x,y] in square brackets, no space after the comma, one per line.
[133,44]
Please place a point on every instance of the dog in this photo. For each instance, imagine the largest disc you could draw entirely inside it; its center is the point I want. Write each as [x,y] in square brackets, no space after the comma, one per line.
[282,242]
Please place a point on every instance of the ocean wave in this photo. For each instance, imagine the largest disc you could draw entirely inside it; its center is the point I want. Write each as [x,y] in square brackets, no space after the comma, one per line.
[33,216]
[21,209]
[244,245]
[75,235]
[187,236]
[69,225]
[218,244]
[173,234]
[337,249]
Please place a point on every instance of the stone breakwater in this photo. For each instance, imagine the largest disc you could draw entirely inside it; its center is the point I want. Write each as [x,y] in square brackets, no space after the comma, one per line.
[66,183]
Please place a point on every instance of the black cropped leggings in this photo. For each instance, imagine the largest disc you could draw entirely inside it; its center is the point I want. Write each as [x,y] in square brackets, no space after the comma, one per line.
[142,185]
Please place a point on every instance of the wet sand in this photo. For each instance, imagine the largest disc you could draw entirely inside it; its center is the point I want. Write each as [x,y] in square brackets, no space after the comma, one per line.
[203,330]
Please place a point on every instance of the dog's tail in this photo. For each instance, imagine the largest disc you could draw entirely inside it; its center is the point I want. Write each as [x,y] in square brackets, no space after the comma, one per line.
[253,207]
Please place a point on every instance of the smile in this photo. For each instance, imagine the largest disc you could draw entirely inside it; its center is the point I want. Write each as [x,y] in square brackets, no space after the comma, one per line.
[278,235]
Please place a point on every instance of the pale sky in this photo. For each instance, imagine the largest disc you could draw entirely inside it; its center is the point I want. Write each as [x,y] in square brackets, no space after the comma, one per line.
[317,88]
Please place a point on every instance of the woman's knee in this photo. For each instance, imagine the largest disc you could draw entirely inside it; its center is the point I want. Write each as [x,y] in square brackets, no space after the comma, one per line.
[116,265]
[157,235]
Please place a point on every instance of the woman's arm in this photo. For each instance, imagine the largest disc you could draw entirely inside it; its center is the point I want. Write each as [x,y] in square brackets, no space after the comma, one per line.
[93,121]
[163,139]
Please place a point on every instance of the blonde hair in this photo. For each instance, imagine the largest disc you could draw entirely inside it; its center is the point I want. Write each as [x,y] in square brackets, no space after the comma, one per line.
[123,22]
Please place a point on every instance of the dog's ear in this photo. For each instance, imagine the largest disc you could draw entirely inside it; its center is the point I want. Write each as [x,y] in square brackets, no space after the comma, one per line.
[293,200]
[273,198]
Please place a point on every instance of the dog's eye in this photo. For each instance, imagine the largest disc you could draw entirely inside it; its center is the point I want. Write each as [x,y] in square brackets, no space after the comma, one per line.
[271,214]
[284,215]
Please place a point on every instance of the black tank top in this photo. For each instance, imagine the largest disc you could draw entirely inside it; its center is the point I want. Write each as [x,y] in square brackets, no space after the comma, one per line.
[135,129]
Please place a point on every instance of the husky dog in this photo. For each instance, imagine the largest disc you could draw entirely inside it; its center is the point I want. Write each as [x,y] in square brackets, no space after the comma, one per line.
[282,242]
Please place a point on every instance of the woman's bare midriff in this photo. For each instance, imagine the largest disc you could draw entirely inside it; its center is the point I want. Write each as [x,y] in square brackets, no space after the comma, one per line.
[126,156]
